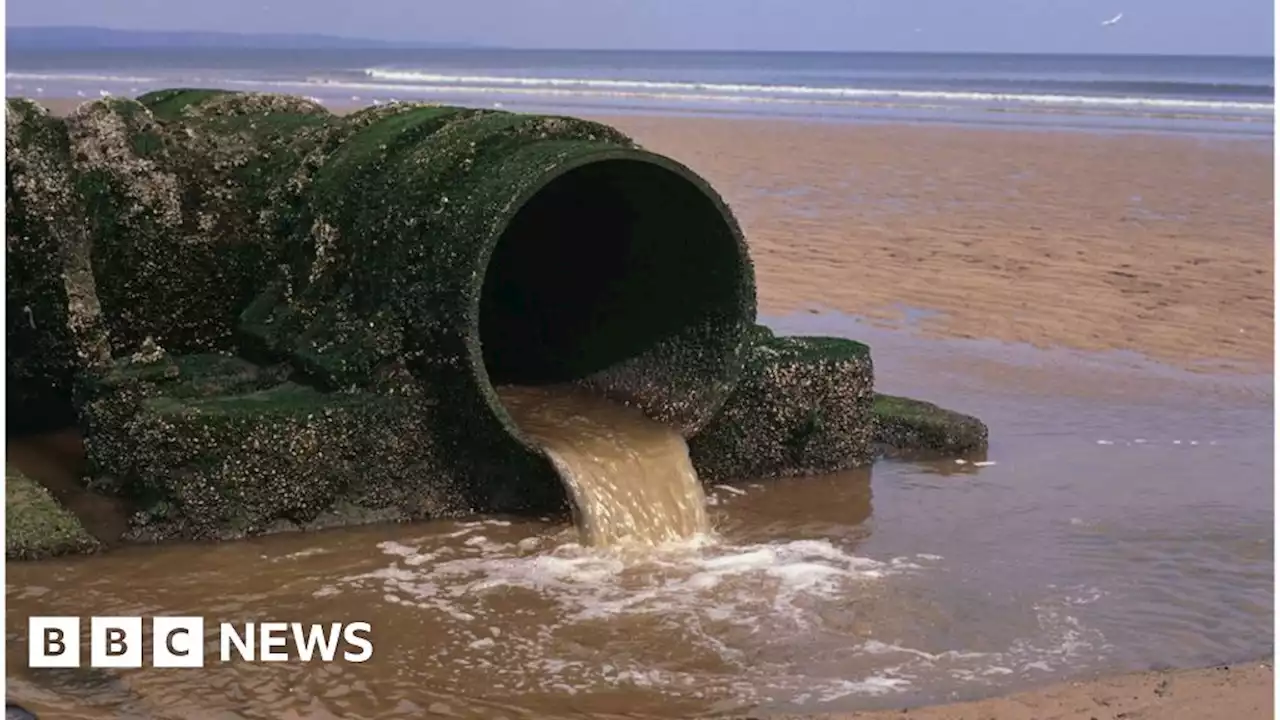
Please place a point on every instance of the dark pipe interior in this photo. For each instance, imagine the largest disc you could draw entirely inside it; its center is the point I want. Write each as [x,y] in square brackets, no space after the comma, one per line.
[603,262]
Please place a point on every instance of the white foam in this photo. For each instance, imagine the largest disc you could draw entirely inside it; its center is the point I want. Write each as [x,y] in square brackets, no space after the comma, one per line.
[833,690]
[1146,441]
[391,547]
[80,77]
[690,583]
[307,552]
[1063,642]
[690,92]
[569,614]
[716,600]
[643,87]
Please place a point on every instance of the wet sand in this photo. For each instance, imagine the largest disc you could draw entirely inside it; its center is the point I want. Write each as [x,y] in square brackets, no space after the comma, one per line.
[1240,691]
[1154,246]
[1161,245]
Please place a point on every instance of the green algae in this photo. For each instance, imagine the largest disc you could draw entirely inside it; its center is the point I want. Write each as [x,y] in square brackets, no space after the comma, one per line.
[169,104]
[223,449]
[439,238]
[909,427]
[36,526]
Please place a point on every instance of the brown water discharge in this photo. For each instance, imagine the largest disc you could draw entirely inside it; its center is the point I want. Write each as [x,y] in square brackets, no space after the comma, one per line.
[630,477]
[1122,520]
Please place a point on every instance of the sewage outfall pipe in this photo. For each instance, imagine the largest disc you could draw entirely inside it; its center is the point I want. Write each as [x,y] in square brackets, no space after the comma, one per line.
[419,248]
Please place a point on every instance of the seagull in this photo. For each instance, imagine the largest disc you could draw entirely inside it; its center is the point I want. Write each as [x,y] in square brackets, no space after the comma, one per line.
[1112,21]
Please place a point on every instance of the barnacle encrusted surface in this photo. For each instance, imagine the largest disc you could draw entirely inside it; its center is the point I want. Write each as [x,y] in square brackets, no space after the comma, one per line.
[36,526]
[187,215]
[264,316]
[395,264]
[467,248]
[803,406]
[54,330]
[210,446]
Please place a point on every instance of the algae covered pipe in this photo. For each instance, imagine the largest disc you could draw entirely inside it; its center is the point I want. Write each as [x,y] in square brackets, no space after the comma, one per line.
[403,249]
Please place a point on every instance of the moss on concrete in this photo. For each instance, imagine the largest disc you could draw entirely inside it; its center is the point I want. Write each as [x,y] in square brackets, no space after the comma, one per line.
[54,329]
[907,427]
[803,406]
[444,245]
[187,208]
[307,314]
[214,447]
[396,258]
[36,526]
[169,104]
[416,252]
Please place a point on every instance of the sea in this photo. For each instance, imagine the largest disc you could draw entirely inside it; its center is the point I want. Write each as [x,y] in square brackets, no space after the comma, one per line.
[1217,95]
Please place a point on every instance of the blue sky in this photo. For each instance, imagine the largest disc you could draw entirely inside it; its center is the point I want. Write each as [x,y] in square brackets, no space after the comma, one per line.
[1243,27]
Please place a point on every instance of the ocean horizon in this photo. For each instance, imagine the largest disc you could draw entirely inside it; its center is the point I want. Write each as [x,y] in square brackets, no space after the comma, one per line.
[1195,93]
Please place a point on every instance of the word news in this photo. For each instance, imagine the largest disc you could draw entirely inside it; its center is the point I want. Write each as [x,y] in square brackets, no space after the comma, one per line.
[180,642]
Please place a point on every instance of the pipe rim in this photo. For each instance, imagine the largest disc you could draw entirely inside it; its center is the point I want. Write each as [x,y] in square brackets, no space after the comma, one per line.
[474,346]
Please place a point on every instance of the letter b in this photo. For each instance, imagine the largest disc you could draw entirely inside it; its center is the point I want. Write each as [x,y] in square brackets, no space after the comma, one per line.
[53,642]
[115,642]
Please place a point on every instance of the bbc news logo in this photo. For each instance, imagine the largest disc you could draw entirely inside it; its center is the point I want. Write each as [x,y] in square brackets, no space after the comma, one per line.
[179,642]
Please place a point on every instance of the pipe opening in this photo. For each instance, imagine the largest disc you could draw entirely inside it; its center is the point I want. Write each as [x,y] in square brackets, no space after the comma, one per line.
[602,264]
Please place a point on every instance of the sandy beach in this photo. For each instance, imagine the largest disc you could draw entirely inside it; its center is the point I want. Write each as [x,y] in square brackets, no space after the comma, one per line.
[1239,691]
[1144,243]
[1157,245]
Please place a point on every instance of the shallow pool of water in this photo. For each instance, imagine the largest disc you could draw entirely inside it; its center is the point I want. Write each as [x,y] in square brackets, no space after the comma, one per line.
[1120,520]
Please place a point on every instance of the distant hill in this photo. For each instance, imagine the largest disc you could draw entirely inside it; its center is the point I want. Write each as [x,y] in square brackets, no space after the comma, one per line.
[96,38]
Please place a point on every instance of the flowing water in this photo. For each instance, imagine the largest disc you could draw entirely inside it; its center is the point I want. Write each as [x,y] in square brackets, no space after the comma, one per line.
[1121,520]
[630,478]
